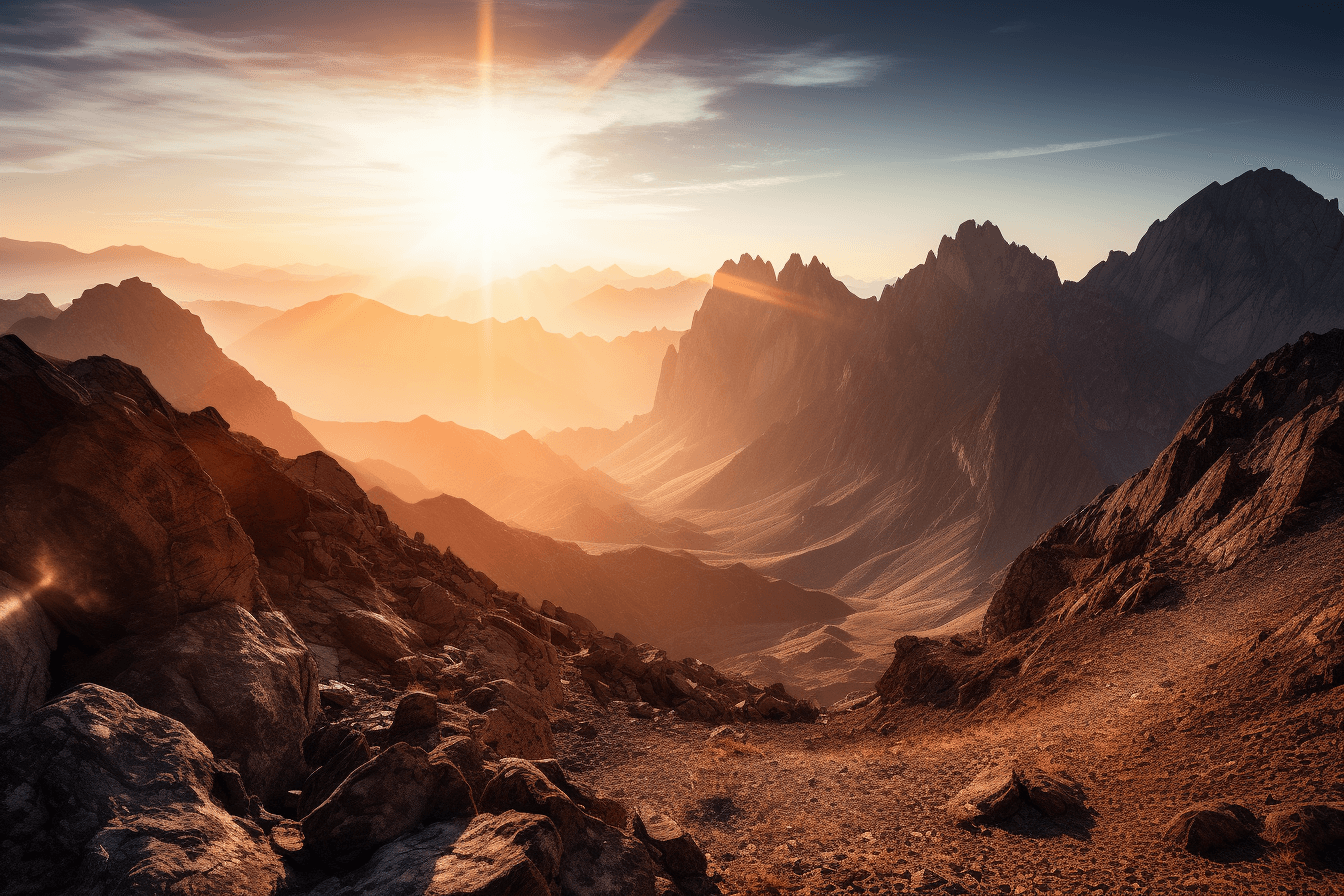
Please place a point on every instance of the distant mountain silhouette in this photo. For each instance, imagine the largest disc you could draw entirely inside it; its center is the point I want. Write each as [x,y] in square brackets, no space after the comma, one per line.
[227,322]
[347,357]
[135,322]
[64,273]
[34,304]
[644,593]
[517,479]
[613,311]
[868,289]
[545,293]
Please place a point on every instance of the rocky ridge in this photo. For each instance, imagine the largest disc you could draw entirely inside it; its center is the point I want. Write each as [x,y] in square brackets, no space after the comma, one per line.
[136,322]
[332,703]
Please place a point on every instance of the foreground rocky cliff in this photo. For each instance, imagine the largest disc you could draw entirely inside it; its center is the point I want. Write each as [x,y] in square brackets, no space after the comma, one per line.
[227,672]
[1191,617]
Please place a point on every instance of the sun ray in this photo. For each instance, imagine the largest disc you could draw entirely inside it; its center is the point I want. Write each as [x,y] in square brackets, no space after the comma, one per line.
[625,49]
[764,292]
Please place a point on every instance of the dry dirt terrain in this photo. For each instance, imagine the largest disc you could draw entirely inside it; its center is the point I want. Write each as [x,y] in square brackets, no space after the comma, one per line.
[1150,720]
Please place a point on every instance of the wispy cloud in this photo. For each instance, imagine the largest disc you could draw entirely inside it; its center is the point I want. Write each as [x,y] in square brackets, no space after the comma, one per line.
[812,67]
[1050,148]
[728,186]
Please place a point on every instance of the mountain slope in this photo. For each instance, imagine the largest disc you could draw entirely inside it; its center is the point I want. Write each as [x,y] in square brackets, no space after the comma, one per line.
[1199,597]
[1237,270]
[517,479]
[671,598]
[34,304]
[347,357]
[137,323]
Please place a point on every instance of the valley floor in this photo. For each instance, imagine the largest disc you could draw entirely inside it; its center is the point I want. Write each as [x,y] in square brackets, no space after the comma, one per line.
[799,810]
[1145,720]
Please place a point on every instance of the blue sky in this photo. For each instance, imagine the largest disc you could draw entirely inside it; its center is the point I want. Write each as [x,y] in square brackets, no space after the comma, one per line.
[358,133]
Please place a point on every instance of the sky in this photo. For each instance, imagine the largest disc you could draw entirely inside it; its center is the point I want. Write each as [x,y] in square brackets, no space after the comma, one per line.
[488,138]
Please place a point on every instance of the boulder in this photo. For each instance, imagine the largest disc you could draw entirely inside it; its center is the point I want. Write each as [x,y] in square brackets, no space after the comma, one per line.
[679,853]
[1310,832]
[435,606]
[519,785]
[390,795]
[1207,827]
[1052,793]
[416,711]
[991,797]
[609,811]
[516,723]
[607,862]
[336,693]
[101,795]
[465,753]
[377,638]
[510,854]
[27,639]
[229,676]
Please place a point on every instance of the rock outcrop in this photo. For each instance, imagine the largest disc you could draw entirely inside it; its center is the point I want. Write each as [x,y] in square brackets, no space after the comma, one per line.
[116,531]
[341,694]
[1260,462]
[1247,463]
[101,795]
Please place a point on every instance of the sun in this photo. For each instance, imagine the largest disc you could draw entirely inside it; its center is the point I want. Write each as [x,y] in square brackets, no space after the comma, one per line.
[495,202]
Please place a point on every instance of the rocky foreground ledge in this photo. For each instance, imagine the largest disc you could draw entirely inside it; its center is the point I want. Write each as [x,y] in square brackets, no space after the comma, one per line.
[224,671]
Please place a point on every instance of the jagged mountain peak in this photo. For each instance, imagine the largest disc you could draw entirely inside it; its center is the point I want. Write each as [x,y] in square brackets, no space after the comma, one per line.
[1269,202]
[747,267]
[978,260]
[1237,270]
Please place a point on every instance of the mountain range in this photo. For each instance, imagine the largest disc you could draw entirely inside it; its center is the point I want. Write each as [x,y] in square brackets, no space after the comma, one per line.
[900,452]
[665,597]
[65,273]
[612,311]
[517,479]
[545,293]
[346,357]
[232,666]
[135,322]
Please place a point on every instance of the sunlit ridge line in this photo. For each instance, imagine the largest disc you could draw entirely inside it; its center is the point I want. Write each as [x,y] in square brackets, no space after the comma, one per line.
[763,292]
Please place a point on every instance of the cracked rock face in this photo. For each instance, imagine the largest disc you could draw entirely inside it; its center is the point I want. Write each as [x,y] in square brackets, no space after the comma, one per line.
[102,795]
[121,537]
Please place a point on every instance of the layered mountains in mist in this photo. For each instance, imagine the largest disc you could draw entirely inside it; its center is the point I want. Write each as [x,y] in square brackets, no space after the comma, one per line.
[811,472]
[899,453]
[351,358]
